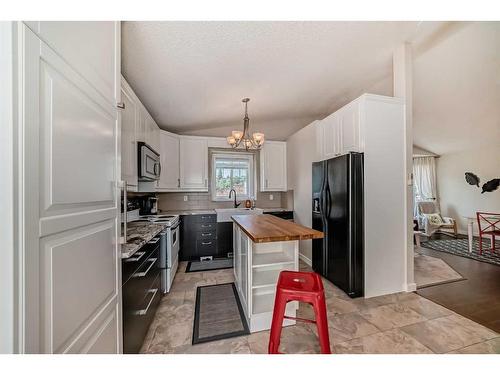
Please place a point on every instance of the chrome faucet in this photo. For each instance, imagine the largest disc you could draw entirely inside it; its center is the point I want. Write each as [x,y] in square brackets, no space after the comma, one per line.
[235,204]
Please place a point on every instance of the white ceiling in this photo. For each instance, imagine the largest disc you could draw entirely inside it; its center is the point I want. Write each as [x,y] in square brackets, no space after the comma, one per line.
[192,75]
[457,89]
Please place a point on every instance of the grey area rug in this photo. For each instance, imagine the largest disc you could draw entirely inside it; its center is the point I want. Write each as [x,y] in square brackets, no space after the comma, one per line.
[460,247]
[210,265]
[218,314]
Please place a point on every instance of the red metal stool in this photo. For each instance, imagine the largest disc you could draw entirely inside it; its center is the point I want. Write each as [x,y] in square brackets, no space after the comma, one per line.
[304,287]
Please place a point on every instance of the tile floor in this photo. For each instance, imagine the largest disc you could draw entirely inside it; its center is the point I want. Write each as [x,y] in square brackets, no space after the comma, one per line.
[397,323]
[433,271]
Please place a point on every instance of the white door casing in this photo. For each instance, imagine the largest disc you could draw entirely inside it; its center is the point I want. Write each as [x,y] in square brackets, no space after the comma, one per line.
[70,205]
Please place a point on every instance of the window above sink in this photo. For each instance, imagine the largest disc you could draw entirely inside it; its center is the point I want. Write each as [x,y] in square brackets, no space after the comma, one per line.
[232,170]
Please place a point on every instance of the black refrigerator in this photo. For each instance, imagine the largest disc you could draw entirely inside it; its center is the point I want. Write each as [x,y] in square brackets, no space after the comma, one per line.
[337,211]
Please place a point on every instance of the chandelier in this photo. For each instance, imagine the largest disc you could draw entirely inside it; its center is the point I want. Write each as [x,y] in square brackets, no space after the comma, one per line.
[238,137]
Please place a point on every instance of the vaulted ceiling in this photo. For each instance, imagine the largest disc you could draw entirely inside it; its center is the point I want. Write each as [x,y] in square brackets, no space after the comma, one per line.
[192,75]
[456,89]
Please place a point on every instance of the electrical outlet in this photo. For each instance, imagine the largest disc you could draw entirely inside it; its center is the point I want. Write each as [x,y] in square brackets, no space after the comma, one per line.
[185,198]
[271,197]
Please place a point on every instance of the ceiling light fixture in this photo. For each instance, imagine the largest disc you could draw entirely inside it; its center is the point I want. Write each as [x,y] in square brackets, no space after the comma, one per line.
[238,137]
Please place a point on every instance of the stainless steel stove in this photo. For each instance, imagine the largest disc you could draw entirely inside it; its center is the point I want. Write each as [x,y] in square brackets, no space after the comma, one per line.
[169,247]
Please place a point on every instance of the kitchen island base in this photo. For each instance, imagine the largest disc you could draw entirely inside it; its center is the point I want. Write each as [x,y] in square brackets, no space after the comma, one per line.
[256,269]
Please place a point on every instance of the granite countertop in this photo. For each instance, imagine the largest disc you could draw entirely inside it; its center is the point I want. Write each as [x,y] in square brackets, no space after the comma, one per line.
[189,212]
[138,234]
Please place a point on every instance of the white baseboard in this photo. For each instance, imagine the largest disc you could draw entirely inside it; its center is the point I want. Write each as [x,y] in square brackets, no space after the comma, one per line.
[305,259]
[411,287]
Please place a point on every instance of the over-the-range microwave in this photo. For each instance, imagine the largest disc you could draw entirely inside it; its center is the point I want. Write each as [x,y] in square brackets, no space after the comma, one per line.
[148,166]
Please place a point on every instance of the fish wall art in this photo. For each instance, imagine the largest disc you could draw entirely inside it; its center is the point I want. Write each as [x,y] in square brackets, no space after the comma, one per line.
[487,187]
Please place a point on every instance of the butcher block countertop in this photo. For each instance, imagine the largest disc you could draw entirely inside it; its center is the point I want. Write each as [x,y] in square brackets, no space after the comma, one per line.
[268,228]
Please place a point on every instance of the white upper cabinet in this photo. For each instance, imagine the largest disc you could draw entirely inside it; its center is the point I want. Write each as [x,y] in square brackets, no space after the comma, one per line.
[330,136]
[350,128]
[137,126]
[341,132]
[169,160]
[128,137]
[193,163]
[273,166]
[152,133]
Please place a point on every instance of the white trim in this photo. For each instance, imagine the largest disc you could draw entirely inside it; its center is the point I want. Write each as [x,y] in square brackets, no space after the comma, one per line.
[410,287]
[252,183]
[305,259]
[7,170]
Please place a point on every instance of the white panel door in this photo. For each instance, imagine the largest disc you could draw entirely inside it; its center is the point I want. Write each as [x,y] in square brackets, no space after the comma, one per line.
[273,175]
[72,286]
[129,118]
[169,159]
[193,163]
[87,46]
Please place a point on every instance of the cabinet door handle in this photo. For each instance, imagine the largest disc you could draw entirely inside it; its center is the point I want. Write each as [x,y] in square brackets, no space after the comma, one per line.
[138,256]
[206,243]
[206,226]
[178,182]
[142,274]
[154,240]
[267,182]
[206,234]
[120,105]
[145,311]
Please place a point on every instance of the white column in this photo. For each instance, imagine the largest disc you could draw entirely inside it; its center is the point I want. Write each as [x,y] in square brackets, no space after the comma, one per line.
[403,88]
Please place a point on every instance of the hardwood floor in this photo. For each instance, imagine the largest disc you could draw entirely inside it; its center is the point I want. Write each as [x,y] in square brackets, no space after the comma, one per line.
[477,297]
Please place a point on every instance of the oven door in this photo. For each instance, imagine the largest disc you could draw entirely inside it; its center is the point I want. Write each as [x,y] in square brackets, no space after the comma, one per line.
[173,245]
[149,163]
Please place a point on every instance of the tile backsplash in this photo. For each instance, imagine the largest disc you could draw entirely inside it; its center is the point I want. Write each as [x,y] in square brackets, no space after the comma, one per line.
[199,201]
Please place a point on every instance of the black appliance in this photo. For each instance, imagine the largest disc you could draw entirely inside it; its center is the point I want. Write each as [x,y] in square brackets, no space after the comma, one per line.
[285,215]
[337,211]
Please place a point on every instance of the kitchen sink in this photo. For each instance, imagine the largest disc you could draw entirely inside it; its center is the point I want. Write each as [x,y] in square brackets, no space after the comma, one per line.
[224,214]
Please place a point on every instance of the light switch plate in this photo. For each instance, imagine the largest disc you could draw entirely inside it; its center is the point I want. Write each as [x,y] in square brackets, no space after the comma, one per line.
[271,197]
[185,198]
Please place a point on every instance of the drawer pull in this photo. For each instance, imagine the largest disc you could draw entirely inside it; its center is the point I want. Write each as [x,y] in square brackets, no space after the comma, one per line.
[206,243]
[137,256]
[206,234]
[206,225]
[142,274]
[205,217]
[145,311]
[154,240]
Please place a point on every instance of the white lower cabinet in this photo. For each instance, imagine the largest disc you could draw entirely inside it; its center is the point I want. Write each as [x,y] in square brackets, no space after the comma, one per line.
[169,160]
[273,174]
[193,171]
[256,270]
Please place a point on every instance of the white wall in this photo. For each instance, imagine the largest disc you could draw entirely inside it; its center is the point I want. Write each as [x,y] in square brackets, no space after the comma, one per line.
[457,198]
[301,152]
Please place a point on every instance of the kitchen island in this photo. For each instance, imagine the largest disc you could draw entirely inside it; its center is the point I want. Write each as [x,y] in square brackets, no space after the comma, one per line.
[263,246]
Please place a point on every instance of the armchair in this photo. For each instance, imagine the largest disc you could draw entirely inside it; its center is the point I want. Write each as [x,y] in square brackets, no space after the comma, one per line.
[431,221]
